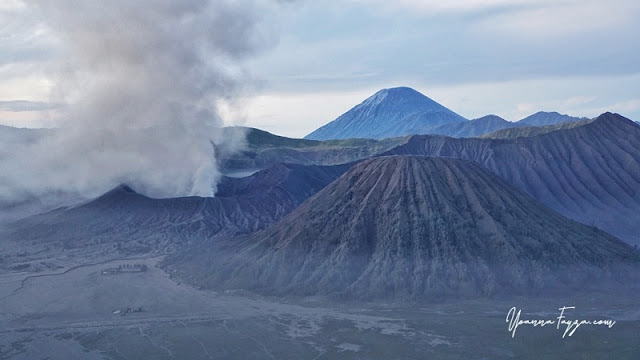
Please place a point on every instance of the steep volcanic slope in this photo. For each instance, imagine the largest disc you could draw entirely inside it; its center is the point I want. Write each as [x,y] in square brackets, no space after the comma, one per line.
[474,128]
[414,227]
[388,113]
[590,173]
[543,118]
[122,215]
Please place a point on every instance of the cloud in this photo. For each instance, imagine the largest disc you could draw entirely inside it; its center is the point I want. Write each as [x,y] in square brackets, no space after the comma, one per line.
[140,80]
[449,43]
[526,12]
[23,38]
[434,6]
[11,5]
[562,19]
[25,105]
[626,106]
[289,115]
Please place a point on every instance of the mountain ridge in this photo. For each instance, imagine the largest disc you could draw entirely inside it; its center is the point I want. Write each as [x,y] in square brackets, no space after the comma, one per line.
[473,128]
[542,118]
[590,173]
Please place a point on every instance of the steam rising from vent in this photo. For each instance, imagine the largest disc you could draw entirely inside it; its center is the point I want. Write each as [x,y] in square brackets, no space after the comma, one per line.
[142,80]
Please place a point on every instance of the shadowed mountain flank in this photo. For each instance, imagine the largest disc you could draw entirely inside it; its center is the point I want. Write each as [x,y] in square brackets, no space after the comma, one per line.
[590,173]
[414,228]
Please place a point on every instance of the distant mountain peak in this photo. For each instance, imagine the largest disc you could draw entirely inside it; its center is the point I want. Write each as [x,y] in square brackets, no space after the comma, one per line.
[490,117]
[613,119]
[388,113]
[399,91]
[542,118]
[548,113]
[611,116]
[395,97]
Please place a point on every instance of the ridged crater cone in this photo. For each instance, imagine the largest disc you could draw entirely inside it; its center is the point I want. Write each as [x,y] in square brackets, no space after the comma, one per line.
[122,215]
[416,227]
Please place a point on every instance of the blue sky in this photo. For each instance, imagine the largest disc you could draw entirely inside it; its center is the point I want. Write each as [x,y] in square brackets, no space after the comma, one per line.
[510,58]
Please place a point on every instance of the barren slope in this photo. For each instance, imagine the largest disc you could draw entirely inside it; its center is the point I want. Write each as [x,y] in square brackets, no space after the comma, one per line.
[414,227]
[590,173]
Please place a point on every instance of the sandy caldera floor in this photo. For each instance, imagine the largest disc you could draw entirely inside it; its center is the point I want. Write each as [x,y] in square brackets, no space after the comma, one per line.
[81,313]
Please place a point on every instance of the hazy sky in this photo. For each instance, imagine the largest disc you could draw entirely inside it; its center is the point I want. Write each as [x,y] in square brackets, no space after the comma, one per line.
[506,57]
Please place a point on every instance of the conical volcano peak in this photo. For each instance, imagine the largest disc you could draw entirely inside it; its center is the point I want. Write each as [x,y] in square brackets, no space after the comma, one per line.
[399,97]
[388,113]
[120,190]
[400,92]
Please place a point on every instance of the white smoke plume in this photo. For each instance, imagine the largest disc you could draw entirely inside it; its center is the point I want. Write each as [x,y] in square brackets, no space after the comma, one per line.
[141,80]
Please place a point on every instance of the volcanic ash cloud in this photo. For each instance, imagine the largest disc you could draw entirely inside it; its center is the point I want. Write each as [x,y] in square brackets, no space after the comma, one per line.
[141,80]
